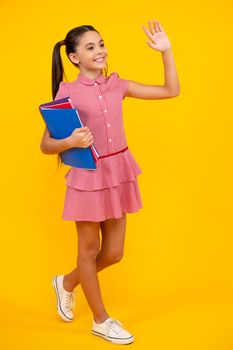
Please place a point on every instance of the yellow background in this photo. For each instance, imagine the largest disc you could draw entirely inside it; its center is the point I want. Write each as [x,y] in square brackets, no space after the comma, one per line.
[173,288]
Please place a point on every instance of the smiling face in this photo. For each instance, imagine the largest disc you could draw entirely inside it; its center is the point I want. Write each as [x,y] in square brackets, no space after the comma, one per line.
[91,53]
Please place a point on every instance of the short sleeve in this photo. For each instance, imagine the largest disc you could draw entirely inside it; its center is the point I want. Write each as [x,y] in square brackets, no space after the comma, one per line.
[62,91]
[122,84]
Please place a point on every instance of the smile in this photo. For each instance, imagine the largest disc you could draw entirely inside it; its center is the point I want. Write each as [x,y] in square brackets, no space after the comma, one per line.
[101,59]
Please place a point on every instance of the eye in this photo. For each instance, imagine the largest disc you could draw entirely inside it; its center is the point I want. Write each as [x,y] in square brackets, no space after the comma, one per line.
[91,47]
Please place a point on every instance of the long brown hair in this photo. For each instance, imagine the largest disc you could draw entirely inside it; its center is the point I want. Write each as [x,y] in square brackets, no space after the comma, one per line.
[71,41]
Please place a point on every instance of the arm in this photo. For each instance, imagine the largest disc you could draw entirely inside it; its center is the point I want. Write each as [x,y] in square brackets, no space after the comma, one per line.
[49,145]
[171,87]
[80,137]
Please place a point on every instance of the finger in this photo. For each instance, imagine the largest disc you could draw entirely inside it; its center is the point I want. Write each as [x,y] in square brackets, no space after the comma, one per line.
[84,132]
[152,45]
[156,29]
[159,26]
[147,32]
[85,129]
[88,135]
[156,25]
[152,29]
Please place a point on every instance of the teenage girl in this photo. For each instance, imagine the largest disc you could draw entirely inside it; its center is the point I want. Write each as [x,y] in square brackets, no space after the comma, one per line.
[99,199]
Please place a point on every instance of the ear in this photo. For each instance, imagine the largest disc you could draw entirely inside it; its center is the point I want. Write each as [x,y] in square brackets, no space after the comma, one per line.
[73,57]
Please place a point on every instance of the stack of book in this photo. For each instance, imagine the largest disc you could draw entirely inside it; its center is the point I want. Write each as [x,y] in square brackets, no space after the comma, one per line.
[61,118]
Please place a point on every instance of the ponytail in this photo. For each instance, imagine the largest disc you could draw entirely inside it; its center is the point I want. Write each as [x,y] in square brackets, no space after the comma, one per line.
[57,77]
[57,67]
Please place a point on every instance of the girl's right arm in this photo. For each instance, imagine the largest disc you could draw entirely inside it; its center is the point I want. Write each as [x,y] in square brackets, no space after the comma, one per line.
[80,137]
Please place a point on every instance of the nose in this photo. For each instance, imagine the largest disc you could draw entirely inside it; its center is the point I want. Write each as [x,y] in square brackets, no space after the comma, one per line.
[99,50]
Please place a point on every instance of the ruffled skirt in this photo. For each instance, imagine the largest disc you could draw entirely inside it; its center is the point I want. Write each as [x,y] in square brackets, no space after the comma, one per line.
[104,193]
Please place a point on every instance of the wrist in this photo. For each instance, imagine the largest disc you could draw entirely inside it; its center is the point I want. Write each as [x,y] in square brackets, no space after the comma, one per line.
[68,141]
[167,50]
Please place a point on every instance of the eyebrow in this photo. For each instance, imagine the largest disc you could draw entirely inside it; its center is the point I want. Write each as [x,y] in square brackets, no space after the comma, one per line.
[93,43]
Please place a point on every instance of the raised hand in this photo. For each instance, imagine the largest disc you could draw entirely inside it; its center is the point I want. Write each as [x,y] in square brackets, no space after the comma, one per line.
[159,38]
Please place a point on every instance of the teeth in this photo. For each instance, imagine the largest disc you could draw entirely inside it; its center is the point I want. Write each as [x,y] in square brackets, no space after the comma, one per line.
[99,59]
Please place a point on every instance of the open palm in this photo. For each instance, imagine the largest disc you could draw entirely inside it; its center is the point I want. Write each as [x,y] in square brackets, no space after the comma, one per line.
[158,36]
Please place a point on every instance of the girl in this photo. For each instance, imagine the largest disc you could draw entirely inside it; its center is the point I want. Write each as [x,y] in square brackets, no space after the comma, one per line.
[99,199]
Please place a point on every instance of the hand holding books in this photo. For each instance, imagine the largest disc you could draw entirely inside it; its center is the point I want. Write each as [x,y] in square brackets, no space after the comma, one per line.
[81,137]
[63,121]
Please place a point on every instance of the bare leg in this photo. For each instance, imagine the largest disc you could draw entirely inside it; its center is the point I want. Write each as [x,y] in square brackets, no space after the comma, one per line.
[113,237]
[88,248]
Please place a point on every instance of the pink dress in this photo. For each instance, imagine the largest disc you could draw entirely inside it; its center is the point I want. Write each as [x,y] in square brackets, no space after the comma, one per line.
[111,189]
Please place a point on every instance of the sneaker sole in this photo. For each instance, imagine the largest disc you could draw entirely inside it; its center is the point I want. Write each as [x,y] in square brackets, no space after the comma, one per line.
[59,310]
[114,340]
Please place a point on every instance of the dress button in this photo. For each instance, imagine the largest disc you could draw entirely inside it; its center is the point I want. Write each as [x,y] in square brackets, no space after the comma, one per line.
[95,84]
[110,139]
[105,110]
[108,125]
[100,97]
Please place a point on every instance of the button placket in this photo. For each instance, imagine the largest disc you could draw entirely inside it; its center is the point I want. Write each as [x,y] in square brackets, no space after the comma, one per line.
[106,118]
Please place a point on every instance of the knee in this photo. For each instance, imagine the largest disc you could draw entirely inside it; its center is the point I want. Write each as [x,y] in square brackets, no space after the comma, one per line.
[88,252]
[113,257]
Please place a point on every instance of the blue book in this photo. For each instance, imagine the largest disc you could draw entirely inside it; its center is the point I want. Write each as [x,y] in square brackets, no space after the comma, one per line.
[61,122]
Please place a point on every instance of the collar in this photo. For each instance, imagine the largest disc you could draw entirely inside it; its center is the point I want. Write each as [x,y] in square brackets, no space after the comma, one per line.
[87,81]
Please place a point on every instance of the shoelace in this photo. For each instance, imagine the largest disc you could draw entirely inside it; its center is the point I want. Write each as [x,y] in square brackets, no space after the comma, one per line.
[114,325]
[70,300]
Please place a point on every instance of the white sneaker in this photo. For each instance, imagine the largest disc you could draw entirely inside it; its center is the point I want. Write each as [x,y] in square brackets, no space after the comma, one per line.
[65,299]
[112,331]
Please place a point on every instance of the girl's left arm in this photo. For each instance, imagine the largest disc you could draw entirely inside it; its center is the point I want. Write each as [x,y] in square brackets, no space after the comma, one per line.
[171,87]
